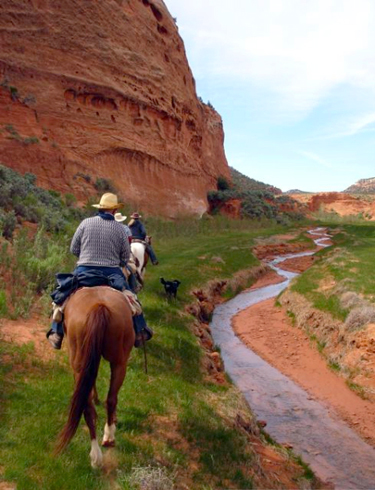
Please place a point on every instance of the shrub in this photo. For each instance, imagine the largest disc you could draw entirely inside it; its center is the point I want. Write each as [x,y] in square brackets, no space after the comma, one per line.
[8,223]
[30,178]
[222,183]
[31,140]
[3,303]
[359,317]
[220,196]
[104,185]
[70,199]
[86,177]
[349,300]
[13,92]
[13,132]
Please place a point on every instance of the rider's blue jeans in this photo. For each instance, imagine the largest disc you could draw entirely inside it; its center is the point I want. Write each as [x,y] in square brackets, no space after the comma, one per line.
[139,322]
[151,253]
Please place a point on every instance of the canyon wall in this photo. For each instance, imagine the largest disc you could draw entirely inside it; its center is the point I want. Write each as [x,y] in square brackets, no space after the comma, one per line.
[102,89]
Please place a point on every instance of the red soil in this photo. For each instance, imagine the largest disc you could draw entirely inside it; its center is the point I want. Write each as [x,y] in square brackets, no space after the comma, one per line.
[24,331]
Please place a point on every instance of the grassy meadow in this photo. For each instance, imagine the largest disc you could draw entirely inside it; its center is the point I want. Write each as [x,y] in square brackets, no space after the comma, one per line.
[175,425]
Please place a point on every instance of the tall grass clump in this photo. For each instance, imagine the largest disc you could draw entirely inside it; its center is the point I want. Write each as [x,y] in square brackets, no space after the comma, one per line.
[360,317]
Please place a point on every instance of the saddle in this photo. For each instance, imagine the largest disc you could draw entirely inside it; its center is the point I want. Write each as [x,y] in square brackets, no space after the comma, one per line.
[146,241]
[138,240]
[70,283]
[131,298]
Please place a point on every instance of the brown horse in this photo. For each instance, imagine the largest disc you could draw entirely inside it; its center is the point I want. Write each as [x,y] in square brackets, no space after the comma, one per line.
[98,323]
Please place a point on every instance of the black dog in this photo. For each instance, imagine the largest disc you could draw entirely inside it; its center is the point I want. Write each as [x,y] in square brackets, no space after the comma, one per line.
[170,287]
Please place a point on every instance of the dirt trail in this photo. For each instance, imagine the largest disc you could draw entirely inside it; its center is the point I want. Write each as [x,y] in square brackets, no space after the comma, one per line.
[264,326]
[23,331]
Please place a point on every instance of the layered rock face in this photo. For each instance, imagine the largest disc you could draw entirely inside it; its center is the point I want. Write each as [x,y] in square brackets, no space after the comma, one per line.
[363,186]
[102,88]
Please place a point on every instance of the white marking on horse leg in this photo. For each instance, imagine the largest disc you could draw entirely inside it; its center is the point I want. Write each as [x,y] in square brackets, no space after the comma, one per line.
[96,454]
[109,435]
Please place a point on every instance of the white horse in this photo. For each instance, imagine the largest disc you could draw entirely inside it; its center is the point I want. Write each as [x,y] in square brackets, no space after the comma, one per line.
[139,251]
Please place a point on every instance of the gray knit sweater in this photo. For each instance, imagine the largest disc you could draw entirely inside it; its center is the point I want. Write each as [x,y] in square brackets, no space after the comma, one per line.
[101,242]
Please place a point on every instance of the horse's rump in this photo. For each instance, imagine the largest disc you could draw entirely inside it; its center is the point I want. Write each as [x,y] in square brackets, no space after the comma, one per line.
[119,325]
[139,251]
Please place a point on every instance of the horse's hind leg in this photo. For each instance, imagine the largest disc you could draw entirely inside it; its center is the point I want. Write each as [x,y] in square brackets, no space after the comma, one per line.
[118,372]
[90,417]
[95,395]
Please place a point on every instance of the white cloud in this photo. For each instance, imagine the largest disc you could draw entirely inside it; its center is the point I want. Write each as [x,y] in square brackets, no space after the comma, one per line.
[316,158]
[299,51]
[350,126]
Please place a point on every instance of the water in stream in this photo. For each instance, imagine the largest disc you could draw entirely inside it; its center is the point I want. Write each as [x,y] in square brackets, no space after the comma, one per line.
[334,451]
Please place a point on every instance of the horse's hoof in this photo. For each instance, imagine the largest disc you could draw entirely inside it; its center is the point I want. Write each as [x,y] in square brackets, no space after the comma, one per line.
[108,443]
[96,455]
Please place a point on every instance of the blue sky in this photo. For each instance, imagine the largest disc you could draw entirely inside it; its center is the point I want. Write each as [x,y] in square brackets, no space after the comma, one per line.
[294,81]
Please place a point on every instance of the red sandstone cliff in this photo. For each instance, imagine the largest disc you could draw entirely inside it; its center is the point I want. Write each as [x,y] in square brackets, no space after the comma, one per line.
[103,88]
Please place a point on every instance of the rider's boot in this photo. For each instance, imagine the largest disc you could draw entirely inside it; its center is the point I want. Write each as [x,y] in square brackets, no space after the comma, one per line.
[54,336]
[143,332]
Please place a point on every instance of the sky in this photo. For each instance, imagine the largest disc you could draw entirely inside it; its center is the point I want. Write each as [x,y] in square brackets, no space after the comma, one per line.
[293,80]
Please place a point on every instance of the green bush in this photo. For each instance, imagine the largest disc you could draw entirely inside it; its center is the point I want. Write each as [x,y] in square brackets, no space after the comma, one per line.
[222,183]
[8,223]
[20,194]
[70,199]
[104,185]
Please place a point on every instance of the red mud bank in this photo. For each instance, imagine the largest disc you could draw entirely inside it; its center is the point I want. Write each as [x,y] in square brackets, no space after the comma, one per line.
[104,89]
[269,251]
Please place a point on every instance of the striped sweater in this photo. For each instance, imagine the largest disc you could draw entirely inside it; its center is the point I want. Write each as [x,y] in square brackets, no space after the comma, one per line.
[101,242]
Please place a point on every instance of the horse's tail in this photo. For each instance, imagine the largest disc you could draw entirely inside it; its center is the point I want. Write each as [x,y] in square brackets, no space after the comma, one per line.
[92,346]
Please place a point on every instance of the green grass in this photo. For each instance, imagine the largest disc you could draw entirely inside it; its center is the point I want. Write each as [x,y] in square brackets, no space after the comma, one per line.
[361,392]
[349,262]
[174,397]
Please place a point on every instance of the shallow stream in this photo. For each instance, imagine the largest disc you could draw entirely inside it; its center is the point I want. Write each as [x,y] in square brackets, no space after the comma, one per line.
[334,451]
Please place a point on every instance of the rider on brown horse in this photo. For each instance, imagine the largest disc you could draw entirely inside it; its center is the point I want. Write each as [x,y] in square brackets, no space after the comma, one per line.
[102,247]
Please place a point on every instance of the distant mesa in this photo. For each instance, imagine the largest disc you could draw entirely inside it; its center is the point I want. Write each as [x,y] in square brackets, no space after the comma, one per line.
[297,191]
[363,186]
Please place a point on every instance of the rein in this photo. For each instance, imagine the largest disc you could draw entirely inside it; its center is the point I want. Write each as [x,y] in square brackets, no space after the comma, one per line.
[144,352]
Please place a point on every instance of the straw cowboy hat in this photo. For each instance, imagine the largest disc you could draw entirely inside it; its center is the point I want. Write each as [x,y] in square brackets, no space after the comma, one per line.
[108,201]
[119,217]
[136,216]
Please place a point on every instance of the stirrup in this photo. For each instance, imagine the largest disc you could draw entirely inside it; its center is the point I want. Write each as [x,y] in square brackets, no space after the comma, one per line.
[145,335]
[54,339]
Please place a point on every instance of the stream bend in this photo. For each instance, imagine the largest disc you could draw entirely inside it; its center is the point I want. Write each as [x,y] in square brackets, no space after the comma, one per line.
[334,451]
